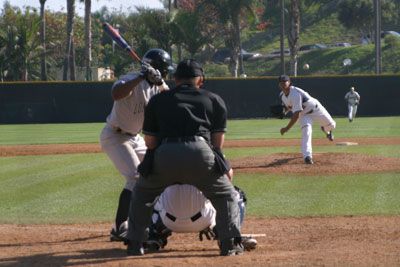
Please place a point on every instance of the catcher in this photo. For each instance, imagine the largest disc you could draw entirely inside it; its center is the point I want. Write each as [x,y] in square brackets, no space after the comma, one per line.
[182,208]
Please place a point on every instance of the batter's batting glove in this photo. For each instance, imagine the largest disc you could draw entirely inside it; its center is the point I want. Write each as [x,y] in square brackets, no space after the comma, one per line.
[151,74]
[208,233]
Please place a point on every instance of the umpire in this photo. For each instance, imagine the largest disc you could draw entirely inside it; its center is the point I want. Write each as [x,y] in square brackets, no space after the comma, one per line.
[182,129]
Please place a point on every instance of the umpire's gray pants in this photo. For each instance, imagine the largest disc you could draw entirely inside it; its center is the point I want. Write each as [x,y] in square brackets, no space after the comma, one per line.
[186,163]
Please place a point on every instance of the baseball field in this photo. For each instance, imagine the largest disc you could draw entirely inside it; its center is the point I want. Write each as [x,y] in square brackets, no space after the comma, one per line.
[58,195]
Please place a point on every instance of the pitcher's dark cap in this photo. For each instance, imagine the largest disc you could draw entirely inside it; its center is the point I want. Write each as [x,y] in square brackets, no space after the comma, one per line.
[283,78]
[188,68]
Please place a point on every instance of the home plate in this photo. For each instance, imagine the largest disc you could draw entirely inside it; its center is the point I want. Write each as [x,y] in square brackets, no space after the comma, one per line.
[346,144]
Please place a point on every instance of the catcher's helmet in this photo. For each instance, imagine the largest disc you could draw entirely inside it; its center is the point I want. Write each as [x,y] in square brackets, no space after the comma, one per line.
[158,59]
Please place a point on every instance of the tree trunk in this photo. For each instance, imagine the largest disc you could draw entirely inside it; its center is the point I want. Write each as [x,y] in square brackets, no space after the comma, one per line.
[293,35]
[88,39]
[72,67]
[235,51]
[69,46]
[43,71]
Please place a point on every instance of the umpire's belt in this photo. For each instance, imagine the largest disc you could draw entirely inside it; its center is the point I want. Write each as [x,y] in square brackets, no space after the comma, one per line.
[312,110]
[193,218]
[194,138]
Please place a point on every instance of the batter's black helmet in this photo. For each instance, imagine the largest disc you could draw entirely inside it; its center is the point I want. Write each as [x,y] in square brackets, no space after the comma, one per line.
[158,59]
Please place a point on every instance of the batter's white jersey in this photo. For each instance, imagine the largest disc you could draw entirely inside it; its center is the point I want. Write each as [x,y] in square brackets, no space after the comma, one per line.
[183,208]
[310,110]
[120,137]
[128,113]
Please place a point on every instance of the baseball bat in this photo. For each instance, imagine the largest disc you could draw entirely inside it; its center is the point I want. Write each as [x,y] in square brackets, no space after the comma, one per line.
[114,34]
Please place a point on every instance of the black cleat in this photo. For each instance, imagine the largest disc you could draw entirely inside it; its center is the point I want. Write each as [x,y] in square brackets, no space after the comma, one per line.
[120,234]
[231,247]
[330,136]
[152,246]
[135,248]
[249,243]
[308,160]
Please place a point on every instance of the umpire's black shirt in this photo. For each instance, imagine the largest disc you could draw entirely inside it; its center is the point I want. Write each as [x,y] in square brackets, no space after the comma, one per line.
[185,111]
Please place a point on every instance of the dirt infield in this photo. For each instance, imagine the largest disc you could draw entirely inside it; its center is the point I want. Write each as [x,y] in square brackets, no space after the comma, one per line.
[339,241]
[327,241]
[23,150]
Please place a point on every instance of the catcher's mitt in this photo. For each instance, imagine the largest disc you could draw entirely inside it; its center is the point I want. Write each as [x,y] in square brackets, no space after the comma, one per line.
[277,111]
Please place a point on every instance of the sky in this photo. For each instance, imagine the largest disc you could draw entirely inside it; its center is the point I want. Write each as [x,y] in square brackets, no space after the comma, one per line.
[112,5]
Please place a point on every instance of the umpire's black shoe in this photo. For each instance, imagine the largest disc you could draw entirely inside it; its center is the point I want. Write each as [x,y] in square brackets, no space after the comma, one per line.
[308,160]
[231,247]
[135,248]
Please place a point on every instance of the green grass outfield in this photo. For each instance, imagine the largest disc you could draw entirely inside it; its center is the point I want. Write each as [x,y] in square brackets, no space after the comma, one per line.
[237,129]
[79,188]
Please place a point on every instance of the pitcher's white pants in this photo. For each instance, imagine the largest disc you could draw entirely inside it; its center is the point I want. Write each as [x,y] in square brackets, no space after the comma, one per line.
[324,119]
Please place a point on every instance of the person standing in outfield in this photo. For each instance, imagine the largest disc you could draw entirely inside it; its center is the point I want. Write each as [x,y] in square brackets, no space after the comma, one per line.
[353,100]
[182,208]
[184,131]
[120,138]
[306,109]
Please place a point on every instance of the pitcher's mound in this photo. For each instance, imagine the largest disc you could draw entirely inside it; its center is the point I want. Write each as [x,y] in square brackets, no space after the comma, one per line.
[324,163]
[346,144]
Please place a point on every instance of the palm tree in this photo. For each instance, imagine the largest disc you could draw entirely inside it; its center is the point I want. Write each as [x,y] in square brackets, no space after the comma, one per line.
[88,38]
[293,35]
[69,58]
[229,12]
[20,48]
[43,72]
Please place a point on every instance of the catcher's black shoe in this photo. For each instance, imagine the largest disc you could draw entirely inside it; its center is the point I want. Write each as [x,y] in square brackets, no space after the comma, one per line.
[135,248]
[308,160]
[231,247]
[152,245]
[249,243]
[120,234]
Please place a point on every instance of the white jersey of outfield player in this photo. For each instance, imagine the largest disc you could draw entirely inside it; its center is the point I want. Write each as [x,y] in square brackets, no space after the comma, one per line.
[310,110]
[183,208]
[352,97]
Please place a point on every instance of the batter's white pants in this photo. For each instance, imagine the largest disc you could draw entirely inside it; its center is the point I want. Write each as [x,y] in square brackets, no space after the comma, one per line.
[125,151]
[324,119]
[352,111]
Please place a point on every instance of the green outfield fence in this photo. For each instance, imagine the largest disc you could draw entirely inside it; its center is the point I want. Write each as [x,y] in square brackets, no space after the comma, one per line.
[60,102]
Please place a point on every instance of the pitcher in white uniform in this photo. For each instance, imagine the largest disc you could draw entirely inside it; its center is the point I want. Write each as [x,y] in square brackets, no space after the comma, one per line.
[306,109]
[120,138]
[353,100]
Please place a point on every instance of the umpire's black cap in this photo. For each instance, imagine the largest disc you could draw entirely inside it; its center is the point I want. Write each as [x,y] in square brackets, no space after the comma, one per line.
[188,68]
[283,78]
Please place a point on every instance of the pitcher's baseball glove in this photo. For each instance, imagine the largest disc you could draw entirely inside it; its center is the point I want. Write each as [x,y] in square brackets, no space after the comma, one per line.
[277,111]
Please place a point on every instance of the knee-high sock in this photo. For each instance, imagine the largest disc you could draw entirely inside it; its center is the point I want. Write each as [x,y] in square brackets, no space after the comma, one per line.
[123,207]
